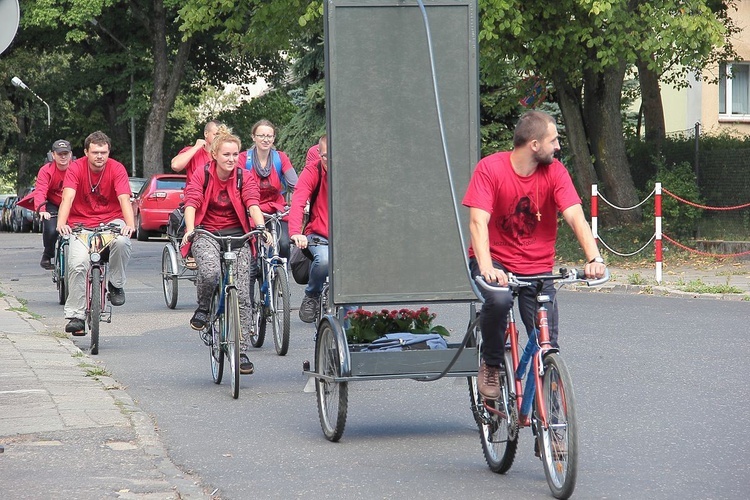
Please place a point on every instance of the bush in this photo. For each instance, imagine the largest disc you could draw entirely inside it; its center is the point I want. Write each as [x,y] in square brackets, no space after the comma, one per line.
[679,219]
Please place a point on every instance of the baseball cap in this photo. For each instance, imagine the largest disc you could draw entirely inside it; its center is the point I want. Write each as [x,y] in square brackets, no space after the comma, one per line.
[61,146]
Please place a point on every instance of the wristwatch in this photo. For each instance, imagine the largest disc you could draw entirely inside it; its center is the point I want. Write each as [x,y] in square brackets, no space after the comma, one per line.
[598,260]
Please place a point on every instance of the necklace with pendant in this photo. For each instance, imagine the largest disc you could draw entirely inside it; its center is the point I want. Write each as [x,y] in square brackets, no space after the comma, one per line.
[538,212]
[91,182]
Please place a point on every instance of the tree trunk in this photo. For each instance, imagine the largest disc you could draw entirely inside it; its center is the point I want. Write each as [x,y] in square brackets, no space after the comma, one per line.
[653,110]
[167,79]
[603,121]
[569,99]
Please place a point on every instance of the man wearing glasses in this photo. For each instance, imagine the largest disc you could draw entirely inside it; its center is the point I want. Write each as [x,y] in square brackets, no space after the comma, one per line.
[96,191]
[47,196]
[312,184]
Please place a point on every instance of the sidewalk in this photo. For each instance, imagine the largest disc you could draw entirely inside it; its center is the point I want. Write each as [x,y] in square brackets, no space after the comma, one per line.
[705,280]
[67,430]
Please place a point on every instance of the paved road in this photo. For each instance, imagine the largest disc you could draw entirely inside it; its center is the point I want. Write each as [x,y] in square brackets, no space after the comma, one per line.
[659,416]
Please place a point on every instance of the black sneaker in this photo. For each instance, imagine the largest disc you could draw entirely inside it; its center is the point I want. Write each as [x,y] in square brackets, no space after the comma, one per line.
[116,295]
[76,326]
[308,310]
[246,366]
[46,263]
[199,319]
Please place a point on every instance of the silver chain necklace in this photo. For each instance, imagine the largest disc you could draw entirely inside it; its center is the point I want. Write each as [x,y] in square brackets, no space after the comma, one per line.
[91,182]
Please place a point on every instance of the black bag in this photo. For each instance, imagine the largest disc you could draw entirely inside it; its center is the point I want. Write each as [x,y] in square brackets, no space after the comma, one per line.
[299,262]
[176,225]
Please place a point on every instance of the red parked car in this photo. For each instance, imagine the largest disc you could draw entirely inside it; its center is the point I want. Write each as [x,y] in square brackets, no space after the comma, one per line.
[158,197]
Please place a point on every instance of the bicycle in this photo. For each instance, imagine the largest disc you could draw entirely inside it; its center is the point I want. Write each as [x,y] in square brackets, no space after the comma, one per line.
[97,240]
[270,298]
[223,328]
[549,387]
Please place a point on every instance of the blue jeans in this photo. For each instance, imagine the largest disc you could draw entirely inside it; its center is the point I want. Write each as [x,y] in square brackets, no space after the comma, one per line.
[318,268]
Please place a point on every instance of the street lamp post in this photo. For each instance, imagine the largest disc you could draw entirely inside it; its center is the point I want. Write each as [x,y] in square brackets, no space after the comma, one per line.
[19,83]
[132,89]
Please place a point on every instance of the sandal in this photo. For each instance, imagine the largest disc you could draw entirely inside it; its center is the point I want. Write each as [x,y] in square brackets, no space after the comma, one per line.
[246,366]
[199,319]
[191,264]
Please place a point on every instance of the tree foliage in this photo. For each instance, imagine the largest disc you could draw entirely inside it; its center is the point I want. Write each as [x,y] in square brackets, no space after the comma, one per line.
[583,47]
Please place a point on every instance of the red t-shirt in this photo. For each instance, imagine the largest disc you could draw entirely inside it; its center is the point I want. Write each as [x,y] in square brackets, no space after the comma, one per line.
[271,199]
[96,200]
[221,214]
[198,160]
[49,185]
[519,239]
[218,195]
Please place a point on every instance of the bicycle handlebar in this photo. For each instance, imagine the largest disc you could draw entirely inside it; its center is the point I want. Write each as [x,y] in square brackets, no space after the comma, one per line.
[241,240]
[277,215]
[564,277]
[79,227]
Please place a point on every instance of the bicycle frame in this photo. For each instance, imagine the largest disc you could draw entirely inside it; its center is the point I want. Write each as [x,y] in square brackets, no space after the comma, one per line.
[543,347]
[229,335]
[98,240]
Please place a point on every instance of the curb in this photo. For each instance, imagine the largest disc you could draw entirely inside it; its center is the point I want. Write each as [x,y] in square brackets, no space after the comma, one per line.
[662,290]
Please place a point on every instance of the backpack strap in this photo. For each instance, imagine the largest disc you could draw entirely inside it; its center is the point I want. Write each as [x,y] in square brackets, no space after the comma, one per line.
[205,177]
[276,158]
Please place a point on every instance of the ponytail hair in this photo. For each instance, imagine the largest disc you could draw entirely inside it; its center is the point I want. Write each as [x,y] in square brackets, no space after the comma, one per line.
[224,134]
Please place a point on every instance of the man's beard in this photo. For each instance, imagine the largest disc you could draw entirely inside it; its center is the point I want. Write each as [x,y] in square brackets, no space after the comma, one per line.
[544,160]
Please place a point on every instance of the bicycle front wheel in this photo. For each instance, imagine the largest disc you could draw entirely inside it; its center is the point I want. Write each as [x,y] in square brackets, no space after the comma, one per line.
[60,275]
[233,325]
[333,397]
[215,327]
[558,442]
[258,318]
[280,310]
[95,313]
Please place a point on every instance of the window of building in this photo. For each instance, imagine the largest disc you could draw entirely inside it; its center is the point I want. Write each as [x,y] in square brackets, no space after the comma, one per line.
[734,89]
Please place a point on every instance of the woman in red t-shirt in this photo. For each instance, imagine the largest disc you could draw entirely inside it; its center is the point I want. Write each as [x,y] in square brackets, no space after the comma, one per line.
[222,207]
[268,165]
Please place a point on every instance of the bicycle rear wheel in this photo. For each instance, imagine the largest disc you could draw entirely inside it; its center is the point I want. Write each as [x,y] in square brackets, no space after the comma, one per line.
[233,325]
[498,424]
[216,326]
[558,443]
[95,313]
[333,397]
[280,310]
[169,276]
[258,317]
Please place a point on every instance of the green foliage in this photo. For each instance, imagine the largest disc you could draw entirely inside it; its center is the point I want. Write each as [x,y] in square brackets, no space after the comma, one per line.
[274,105]
[306,126]
[678,218]
[698,286]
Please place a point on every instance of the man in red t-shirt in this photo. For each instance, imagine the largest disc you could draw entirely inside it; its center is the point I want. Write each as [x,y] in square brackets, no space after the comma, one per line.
[196,156]
[96,191]
[48,195]
[514,198]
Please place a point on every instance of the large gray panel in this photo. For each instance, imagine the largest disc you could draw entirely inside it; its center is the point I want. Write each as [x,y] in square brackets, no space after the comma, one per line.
[394,237]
